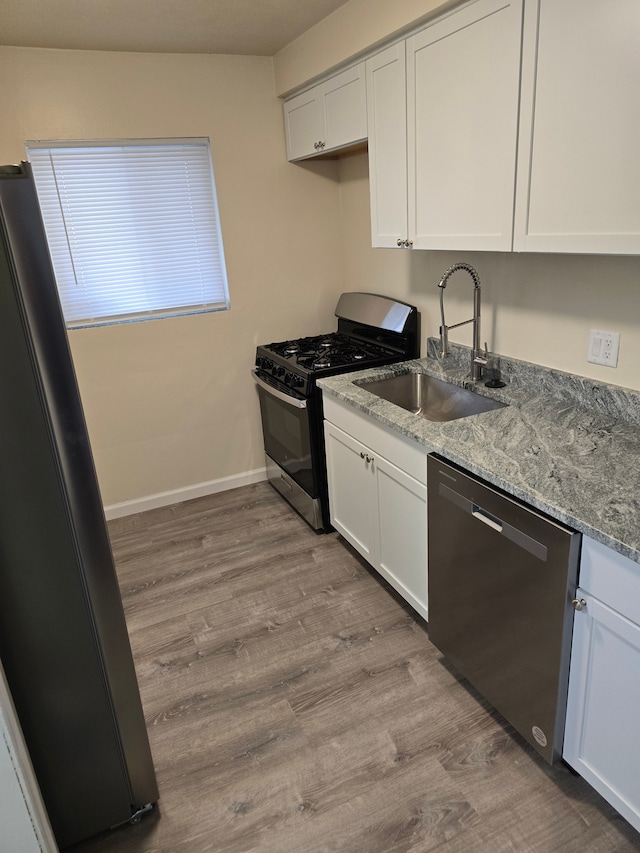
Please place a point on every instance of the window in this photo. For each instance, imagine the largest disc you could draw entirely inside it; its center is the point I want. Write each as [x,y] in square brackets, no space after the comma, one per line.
[132,227]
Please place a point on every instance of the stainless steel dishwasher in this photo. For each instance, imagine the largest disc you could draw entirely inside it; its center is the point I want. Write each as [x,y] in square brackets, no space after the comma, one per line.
[502,577]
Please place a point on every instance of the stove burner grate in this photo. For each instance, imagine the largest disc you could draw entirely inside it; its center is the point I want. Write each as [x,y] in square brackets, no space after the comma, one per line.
[321,352]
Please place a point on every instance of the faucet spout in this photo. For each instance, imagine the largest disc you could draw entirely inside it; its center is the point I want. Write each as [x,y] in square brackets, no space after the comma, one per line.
[477,359]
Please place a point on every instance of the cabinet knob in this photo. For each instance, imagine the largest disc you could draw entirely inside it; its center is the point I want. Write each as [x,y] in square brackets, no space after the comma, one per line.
[361,455]
[408,243]
[579,603]
[400,242]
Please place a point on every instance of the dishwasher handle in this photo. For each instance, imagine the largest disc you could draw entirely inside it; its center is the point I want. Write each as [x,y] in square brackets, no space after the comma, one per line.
[518,537]
[485,518]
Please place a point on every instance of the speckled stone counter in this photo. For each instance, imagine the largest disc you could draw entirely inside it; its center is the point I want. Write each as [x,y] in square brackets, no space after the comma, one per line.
[565,444]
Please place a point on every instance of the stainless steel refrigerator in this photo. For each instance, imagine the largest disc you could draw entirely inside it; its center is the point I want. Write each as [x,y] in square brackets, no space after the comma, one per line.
[63,638]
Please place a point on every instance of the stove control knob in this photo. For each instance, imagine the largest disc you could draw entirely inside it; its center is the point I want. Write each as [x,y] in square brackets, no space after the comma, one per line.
[279,371]
[288,378]
[298,381]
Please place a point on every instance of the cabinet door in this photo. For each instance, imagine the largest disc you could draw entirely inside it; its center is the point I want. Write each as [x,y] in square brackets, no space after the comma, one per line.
[304,123]
[580,125]
[17,826]
[387,129]
[352,491]
[601,736]
[463,76]
[24,821]
[332,115]
[402,510]
[345,108]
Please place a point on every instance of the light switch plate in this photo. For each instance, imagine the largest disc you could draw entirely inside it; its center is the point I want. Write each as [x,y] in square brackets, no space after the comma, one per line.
[603,347]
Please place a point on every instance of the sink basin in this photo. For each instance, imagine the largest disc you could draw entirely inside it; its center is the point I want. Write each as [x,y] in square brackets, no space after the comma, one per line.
[429,397]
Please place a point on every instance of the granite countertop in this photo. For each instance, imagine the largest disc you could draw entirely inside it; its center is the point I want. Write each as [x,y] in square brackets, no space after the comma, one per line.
[566,445]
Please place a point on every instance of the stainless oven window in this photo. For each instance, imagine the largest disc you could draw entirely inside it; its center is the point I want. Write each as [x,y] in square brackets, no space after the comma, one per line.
[286,425]
[287,438]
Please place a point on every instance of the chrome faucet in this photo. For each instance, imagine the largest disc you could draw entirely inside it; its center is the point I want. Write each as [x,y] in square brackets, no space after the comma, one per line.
[478,360]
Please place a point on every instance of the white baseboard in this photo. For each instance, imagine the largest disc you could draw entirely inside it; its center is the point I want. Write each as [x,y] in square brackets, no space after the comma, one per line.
[199,490]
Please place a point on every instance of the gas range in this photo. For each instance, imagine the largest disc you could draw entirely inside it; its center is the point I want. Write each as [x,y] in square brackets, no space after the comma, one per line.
[372,331]
[298,363]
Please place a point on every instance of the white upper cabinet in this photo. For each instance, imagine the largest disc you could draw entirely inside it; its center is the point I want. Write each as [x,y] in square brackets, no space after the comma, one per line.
[502,125]
[387,127]
[330,116]
[579,180]
[463,75]
[442,113]
[304,124]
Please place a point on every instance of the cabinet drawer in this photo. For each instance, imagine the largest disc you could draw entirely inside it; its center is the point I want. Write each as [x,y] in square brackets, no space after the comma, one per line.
[611,577]
[401,451]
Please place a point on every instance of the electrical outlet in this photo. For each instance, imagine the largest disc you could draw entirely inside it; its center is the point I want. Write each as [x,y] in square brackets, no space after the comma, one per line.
[603,347]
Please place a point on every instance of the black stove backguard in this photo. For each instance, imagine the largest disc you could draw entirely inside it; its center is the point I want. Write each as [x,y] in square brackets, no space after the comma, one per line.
[372,331]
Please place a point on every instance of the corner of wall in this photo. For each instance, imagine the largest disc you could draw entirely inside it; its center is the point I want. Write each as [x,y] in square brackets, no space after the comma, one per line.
[352,30]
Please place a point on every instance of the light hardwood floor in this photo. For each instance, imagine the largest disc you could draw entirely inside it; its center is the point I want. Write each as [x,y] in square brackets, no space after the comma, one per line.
[295,704]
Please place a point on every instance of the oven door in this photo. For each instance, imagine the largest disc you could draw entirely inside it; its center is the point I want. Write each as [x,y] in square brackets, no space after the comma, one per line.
[287,427]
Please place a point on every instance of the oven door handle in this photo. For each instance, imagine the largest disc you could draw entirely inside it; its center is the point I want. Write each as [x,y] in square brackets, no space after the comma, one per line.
[292,401]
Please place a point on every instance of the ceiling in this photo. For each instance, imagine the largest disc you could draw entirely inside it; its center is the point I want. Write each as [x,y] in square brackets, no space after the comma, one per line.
[250,27]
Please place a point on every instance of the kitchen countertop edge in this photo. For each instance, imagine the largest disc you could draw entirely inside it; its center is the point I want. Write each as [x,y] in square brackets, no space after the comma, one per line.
[553,454]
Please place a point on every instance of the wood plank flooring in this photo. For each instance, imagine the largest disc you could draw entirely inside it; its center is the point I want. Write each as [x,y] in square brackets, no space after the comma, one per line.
[295,704]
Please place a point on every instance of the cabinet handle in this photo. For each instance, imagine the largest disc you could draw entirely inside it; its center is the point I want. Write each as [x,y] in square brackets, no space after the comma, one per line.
[579,603]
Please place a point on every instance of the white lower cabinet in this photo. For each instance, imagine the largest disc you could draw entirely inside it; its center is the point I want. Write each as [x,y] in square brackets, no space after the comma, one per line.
[378,499]
[352,490]
[402,545]
[601,736]
[23,820]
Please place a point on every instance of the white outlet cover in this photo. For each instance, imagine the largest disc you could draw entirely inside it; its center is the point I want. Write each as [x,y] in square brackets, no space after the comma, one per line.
[603,347]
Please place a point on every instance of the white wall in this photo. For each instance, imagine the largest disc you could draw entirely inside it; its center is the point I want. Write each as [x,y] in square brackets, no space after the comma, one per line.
[170,403]
[539,308]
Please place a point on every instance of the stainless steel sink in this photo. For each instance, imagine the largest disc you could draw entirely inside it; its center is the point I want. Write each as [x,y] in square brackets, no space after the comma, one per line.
[429,397]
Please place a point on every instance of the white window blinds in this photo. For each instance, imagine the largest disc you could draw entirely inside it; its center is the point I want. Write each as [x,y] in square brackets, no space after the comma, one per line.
[132,227]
